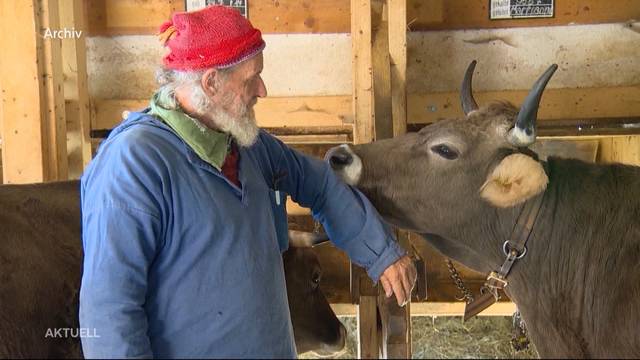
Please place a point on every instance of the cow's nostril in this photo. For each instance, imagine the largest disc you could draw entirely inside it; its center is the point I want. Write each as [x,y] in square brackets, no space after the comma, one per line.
[340,158]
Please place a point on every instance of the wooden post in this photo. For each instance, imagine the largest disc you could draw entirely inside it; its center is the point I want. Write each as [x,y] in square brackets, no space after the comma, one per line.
[362,71]
[378,31]
[364,293]
[76,92]
[397,10]
[368,331]
[383,123]
[389,73]
[33,127]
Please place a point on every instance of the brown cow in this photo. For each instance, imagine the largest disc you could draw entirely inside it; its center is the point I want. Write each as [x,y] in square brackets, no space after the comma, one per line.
[40,273]
[462,183]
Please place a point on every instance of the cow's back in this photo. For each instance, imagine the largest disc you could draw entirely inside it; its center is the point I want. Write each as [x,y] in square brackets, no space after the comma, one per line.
[40,269]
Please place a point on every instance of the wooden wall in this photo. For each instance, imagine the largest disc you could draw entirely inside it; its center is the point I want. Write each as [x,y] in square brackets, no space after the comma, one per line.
[134,17]
[599,74]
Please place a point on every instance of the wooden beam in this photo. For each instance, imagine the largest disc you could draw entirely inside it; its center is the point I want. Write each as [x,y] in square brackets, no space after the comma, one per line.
[33,127]
[474,14]
[361,38]
[382,114]
[367,328]
[303,111]
[129,17]
[397,11]
[567,103]
[314,16]
[53,114]
[272,112]
[435,309]
[135,17]
[579,128]
[76,92]
[625,149]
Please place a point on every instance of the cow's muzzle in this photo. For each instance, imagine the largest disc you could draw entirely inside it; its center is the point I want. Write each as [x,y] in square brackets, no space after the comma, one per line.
[345,163]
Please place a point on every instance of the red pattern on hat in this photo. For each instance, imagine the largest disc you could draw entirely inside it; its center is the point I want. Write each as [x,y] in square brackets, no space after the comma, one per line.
[216,36]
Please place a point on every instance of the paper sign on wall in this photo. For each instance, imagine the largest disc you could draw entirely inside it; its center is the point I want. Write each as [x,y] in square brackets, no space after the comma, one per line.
[520,9]
[240,5]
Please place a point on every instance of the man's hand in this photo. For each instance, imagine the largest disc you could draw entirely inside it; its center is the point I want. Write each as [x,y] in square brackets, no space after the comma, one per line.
[399,278]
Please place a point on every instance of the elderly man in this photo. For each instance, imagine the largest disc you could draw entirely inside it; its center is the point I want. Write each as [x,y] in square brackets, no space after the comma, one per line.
[183,211]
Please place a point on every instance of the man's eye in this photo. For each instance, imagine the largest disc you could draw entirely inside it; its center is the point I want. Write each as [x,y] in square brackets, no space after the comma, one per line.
[445,151]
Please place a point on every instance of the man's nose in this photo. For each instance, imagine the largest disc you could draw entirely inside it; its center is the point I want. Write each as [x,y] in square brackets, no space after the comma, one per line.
[338,157]
[262,89]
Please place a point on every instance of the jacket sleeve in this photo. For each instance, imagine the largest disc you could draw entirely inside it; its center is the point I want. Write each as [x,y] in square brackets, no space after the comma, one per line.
[350,220]
[118,249]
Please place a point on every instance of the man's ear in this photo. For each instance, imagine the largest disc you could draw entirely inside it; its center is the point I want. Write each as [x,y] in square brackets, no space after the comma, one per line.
[517,178]
[208,82]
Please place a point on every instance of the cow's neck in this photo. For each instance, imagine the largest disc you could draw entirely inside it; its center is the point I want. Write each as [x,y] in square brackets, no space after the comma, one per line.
[543,283]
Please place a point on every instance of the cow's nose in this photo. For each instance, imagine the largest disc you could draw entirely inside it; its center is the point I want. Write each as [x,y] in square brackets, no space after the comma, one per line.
[338,157]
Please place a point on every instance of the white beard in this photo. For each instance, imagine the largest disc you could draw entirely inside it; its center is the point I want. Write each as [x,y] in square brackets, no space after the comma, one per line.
[243,128]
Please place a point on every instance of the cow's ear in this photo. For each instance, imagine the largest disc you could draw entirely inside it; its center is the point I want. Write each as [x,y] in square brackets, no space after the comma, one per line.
[517,178]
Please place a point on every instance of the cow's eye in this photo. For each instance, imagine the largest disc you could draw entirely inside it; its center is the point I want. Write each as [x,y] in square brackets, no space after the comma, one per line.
[445,151]
[315,279]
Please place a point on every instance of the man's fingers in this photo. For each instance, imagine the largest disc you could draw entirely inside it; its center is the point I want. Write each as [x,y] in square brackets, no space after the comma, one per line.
[386,285]
[395,279]
[398,289]
[409,280]
[399,279]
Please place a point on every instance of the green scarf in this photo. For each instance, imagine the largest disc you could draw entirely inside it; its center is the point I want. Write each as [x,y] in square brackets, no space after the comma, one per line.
[210,145]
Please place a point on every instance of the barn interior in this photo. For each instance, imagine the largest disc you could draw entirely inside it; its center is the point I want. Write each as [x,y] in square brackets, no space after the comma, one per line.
[337,71]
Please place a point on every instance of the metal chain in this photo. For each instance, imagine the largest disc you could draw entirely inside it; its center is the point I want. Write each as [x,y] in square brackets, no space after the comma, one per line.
[466,293]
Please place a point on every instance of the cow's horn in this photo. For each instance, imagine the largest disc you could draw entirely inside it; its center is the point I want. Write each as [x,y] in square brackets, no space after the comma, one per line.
[466,93]
[303,239]
[524,132]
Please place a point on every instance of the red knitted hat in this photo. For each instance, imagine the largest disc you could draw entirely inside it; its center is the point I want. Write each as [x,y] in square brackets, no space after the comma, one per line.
[216,36]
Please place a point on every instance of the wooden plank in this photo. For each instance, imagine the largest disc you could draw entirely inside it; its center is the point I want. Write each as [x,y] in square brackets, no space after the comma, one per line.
[294,16]
[457,309]
[567,103]
[53,113]
[270,111]
[625,150]
[397,11]
[557,104]
[129,17]
[474,14]
[435,309]
[361,36]
[367,328]
[316,139]
[33,128]
[76,92]
[380,61]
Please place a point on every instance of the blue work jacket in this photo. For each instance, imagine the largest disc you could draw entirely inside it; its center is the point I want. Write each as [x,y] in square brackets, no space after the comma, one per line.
[180,262]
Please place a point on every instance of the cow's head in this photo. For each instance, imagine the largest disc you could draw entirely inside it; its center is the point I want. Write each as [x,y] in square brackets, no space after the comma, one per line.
[315,326]
[453,172]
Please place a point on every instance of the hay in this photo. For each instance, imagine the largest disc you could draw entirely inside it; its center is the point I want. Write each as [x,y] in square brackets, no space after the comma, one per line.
[449,337]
